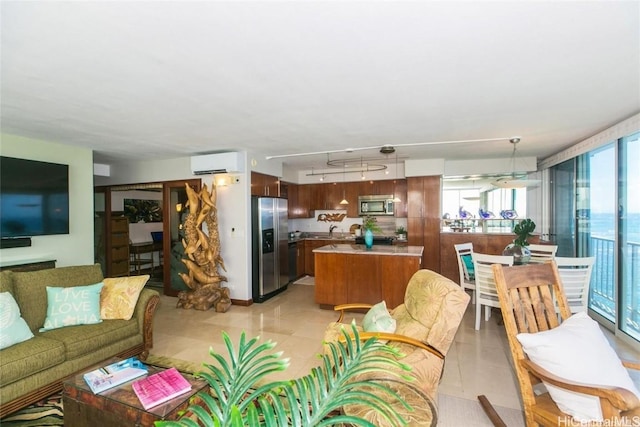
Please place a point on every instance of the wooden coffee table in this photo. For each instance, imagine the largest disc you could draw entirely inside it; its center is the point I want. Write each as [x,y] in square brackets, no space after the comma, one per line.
[119,406]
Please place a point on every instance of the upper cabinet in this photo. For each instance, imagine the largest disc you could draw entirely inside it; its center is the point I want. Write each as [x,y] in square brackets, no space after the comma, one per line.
[264,185]
[304,199]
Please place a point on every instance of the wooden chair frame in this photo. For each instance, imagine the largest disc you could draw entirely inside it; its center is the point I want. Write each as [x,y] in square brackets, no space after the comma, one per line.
[384,335]
[526,296]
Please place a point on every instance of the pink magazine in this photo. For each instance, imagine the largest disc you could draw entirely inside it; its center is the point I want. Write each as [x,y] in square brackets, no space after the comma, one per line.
[160,387]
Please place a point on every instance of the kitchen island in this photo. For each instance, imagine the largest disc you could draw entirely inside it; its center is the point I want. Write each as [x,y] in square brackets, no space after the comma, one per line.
[349,273]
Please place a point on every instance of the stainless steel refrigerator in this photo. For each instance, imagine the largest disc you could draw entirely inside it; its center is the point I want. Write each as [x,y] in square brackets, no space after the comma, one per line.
[269,242]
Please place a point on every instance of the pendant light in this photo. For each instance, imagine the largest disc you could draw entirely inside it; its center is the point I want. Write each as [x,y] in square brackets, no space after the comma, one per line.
[396,199]
[344,200]
[511,182]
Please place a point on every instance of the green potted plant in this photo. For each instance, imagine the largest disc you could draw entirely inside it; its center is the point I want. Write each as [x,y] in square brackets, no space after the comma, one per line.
[401,232]
[518,248]
[239,396]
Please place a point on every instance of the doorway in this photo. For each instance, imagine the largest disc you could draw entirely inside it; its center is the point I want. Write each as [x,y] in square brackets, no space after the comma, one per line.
[150,241]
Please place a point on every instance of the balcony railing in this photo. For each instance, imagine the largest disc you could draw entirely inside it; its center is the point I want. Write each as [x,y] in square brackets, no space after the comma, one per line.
[603,286]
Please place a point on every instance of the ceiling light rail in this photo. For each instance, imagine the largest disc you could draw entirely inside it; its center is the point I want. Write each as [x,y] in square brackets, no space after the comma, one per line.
[387,148]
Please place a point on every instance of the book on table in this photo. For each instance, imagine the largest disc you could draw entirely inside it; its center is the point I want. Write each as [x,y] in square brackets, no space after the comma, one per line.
[160,387]
[114,374]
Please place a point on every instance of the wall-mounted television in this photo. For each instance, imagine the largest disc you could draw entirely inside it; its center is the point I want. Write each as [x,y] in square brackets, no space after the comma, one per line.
[34,198]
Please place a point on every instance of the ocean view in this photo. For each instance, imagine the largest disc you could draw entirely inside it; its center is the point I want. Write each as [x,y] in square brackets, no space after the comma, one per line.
[603,226]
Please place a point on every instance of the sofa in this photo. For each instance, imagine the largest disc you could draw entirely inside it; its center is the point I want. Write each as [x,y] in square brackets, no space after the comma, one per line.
[36,368]
[422,328]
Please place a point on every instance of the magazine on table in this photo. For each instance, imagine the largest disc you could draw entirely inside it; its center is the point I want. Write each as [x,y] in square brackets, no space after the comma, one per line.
[160,387]
[114,374]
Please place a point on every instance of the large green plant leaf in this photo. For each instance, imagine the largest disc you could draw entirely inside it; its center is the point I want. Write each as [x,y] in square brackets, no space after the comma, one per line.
[238,399]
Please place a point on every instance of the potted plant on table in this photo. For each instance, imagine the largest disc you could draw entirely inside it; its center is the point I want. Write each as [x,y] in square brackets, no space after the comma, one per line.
[370,224]
[401,232]
[518,248]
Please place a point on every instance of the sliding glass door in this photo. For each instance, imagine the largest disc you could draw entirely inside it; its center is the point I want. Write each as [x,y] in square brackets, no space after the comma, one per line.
[629,234]
[596,226]
[596,212]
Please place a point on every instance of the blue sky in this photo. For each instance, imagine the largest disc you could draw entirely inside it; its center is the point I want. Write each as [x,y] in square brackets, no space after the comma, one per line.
[603,184]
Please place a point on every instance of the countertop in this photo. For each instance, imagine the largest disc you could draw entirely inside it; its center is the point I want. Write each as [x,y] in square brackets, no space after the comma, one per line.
[342,248]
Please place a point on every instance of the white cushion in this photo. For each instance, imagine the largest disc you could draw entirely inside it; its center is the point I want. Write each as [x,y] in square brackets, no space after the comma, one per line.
[378,319]
[578,351]
[13,328]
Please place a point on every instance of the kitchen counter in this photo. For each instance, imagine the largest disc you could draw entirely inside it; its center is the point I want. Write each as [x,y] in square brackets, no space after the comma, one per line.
[349,273]
[341,248]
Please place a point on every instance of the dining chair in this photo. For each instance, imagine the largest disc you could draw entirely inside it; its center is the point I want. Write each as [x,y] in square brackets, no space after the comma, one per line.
[465,267]
[575,274]
[542,253]
[486,294]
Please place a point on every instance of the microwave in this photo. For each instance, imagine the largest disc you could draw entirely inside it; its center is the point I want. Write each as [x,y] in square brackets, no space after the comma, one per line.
[375,205]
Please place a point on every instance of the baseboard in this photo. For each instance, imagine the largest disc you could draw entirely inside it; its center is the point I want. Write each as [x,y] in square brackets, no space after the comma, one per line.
[242,302]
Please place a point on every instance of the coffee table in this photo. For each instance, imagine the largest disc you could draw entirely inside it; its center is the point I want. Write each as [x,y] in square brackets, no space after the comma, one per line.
[119,406]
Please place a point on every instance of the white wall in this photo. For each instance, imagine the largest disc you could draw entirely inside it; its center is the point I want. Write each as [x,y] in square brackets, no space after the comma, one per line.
[75,248]
[233,206]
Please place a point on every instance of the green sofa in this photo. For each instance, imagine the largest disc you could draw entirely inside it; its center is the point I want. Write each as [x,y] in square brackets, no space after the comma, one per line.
[36,368]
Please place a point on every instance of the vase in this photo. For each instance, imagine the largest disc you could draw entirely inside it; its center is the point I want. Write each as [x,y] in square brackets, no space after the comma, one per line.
[521,254]
[368,238]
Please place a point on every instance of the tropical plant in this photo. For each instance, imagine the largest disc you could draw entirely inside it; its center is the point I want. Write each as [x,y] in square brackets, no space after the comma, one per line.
[523,230]
[401,230]
[370,223]
[238,398]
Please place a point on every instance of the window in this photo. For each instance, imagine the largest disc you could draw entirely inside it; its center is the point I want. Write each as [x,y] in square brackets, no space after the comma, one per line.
[596,212]
[476,205]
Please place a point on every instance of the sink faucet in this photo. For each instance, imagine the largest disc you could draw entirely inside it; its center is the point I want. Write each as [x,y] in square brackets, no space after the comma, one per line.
[331,228]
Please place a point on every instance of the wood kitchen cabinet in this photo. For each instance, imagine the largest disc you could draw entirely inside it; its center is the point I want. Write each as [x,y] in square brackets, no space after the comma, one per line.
[362,278]
[304,199]
[423,217]
[309,260]
[300,257]
[264,185]
[400,191]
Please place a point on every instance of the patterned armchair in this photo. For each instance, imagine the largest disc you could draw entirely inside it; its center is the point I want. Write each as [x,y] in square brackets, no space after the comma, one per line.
[426,324]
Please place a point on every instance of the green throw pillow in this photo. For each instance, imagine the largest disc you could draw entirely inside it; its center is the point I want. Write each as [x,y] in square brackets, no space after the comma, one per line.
[13,328]
[468,263]
[378,319]
[76,305]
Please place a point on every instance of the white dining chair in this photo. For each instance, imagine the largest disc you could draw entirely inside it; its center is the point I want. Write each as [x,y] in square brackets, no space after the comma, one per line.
[542,253]
[486,294]
[465,267]
[575,275]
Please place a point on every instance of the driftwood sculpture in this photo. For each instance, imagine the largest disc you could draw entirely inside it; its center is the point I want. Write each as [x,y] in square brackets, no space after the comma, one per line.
[203,252]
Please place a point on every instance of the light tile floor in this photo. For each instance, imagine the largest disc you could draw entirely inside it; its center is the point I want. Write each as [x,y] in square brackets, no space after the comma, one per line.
[477,363]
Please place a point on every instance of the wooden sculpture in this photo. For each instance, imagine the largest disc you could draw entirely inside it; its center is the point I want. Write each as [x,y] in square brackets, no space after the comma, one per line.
[203,252]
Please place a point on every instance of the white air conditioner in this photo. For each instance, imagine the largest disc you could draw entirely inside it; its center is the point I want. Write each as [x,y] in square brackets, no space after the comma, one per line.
[208,164]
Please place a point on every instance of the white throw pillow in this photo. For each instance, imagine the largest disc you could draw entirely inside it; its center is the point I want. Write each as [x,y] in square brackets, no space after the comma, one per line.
[378,319]
[578,351]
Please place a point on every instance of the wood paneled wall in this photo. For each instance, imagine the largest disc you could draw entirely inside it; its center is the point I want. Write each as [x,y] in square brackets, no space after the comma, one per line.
[423,217]
[492,244]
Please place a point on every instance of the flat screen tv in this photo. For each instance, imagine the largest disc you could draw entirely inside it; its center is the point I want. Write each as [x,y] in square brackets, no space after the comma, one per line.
[34,198]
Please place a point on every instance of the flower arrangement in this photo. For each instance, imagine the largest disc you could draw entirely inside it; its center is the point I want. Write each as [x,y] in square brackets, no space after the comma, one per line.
[370,223]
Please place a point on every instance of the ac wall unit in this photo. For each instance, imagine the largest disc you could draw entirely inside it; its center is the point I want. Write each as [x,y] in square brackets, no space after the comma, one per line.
[208,164]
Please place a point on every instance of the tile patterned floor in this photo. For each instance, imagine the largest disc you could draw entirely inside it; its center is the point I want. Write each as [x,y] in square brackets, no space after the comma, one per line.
[477,363]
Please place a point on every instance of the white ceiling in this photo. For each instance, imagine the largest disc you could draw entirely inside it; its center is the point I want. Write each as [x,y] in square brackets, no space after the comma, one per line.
[174,78]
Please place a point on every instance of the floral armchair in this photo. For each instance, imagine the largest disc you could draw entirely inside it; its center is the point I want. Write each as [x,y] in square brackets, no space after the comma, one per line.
[426,324]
